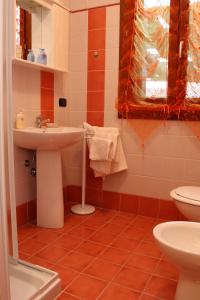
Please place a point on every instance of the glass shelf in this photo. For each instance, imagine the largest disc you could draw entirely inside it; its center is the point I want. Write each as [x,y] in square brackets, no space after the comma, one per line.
[33,65]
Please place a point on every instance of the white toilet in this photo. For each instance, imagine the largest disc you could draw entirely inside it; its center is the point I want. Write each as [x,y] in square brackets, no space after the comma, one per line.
[180,242]
[187,199]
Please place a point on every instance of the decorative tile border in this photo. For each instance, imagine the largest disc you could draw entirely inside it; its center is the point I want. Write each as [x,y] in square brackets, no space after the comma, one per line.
[151,207]
[47,95]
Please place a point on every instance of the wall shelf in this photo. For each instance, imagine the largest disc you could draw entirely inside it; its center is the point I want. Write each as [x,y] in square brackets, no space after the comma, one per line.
[33,65]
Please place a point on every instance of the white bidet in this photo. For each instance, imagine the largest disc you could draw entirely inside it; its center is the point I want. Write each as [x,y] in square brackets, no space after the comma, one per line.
[180,242]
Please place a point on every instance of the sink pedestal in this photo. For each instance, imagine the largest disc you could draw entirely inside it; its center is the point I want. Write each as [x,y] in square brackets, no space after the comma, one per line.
[50,206]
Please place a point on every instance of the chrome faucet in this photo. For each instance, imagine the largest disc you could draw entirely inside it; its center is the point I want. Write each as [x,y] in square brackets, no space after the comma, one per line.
[40,122]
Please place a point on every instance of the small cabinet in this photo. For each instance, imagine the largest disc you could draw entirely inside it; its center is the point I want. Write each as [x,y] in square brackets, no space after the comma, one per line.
[60,37]
[41,24]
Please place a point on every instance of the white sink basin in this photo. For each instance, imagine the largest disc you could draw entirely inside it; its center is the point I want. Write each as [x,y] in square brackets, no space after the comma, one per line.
[48,142]
[47,138]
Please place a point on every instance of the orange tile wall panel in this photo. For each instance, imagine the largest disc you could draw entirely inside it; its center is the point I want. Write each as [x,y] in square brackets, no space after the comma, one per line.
[47,95]
[96,39]
[95,87]
[145,206]
[97,18]
[96,65]
[96,81]
[95,102]
[47,80]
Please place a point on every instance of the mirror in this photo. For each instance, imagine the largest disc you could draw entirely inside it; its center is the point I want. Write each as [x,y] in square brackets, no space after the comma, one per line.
[33,28]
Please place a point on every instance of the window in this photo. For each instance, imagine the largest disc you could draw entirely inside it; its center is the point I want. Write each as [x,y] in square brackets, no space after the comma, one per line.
[159,74]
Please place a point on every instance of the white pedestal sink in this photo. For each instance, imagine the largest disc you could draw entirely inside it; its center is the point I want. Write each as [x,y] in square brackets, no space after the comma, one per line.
[48,142]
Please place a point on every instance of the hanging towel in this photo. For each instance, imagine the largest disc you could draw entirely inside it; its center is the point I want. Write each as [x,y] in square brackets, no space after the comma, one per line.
[100,148]
[113,152]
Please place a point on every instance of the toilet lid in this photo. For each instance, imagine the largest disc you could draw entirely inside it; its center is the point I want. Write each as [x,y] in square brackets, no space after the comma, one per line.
[189,192]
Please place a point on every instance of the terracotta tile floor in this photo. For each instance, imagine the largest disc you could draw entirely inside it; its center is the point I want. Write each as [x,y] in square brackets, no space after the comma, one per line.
[109,255]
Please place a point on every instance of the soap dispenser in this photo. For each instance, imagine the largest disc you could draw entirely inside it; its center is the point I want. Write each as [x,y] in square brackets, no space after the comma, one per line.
[20,120]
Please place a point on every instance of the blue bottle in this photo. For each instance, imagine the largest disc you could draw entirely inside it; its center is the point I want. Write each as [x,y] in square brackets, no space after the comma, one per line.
[42,57]
[31,56]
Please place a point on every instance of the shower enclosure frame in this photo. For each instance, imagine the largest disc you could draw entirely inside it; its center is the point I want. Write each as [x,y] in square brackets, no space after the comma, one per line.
[45,284]
[7,179]
[4,273]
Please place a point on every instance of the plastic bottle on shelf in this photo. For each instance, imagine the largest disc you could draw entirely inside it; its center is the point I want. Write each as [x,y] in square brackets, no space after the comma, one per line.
[42,57]
[20,123]
[30,56]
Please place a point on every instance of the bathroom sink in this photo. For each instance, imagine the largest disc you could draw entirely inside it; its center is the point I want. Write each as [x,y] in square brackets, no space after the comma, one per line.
[48,143]
[47,138]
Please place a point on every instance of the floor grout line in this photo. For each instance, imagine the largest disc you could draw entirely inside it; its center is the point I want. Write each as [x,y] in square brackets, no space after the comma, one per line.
[135,223]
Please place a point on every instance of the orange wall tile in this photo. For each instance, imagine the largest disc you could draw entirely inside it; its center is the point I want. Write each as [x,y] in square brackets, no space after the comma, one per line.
[95,118]
[151,207]
[111,200]
[47,95]
[96,60]
[47,80]
[95,87]
[148,207]
[96,80]
[129,203]
[47,99]
[95,101]
[97,18]
[96,39]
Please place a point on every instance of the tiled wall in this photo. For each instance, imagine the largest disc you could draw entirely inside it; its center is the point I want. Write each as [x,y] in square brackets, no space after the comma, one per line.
[26,97]
[96,66]
[47,95]
[33,92]
[171,155]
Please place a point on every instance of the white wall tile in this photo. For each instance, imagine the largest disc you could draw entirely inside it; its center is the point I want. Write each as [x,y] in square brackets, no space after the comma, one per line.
[112,59]
[26,97]
[113,17]
[77,118]
[77,81]
[78,62]
[26,93]
[25,183]
[112,37]
[72,176]
[77,100]
[96,3]
[78,37]
[192,167]
[171,155]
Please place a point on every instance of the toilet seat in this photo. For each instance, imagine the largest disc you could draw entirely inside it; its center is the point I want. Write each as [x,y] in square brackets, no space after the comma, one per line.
[187,194]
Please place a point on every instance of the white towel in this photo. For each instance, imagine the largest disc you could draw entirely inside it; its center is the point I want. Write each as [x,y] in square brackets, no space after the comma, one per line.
[107,133]
[100,148]
[116,161]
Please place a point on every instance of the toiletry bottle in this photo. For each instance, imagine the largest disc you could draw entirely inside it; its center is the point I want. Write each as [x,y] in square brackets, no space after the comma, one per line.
[31,56]
[42,56]
[20,120]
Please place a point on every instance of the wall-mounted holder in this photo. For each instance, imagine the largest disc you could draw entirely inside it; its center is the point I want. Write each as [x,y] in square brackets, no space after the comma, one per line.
[96,54]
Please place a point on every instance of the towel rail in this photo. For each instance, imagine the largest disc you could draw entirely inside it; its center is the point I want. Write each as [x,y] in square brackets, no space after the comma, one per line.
[83,208]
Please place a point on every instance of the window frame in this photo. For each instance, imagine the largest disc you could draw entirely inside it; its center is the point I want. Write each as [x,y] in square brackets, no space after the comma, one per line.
[175,106]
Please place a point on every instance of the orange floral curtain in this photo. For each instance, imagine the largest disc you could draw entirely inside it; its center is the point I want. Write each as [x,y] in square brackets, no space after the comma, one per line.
[159,59]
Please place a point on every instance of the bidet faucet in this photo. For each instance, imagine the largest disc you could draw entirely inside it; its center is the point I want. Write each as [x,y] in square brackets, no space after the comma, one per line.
[40,122]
